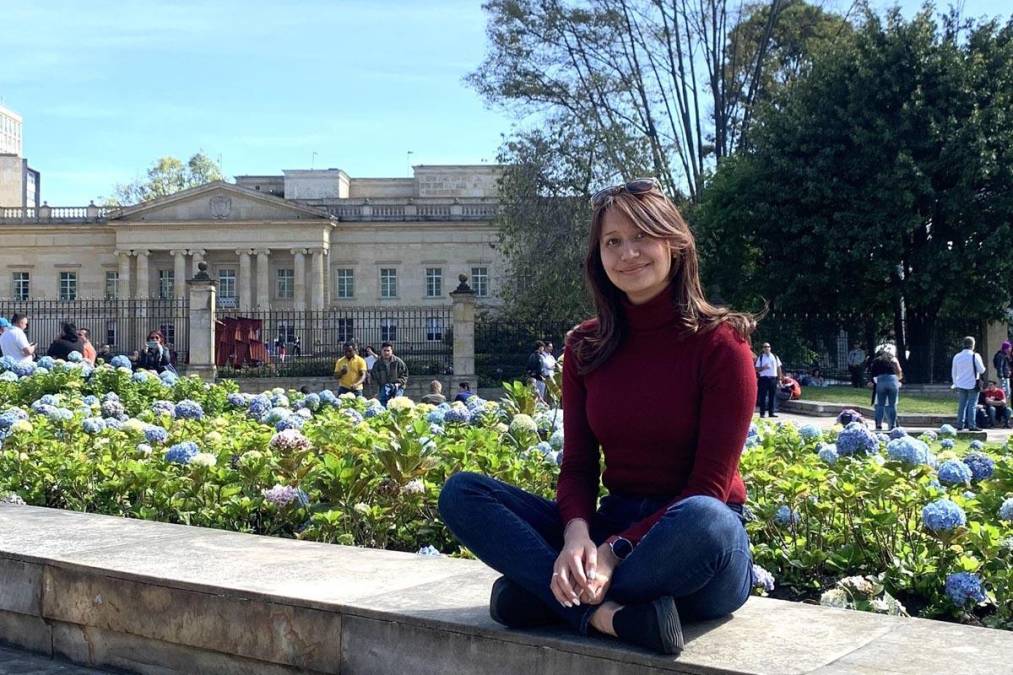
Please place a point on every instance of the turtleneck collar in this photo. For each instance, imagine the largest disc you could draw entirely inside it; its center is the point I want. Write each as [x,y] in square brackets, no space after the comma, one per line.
[658,312]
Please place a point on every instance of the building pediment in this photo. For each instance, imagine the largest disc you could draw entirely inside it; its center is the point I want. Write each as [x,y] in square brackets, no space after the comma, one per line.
[218,201]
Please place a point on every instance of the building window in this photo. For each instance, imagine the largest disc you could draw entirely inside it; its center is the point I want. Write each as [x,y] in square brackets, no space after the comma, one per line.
[68,286]
[286,332]
[21,285]
[286,284]
[346,283]
[388,282]
[111,334]
[168,331]
[434,282]
[166,284]
[345,330]
[227,288]
[434,328]
[112,280]
[480,281]
[388,330]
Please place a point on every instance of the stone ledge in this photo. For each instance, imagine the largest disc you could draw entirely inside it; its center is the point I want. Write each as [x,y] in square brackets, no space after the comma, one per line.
[157,598]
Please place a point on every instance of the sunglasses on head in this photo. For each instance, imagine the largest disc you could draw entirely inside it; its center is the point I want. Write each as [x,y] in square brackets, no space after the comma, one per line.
[637,186]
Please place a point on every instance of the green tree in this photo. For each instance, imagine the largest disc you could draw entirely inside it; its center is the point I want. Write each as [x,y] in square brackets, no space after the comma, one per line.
[165,177]
[879,183]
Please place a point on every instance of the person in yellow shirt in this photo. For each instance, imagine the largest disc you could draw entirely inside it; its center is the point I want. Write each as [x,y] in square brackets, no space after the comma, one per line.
[351,371]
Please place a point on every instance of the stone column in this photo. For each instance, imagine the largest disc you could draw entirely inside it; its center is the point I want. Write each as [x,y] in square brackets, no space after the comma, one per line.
[245,290]
[143,275]
[317,279]
[464,332]
[198,257]
[300,278]
[202,325]
[178,273]
[263,280]
[123,276]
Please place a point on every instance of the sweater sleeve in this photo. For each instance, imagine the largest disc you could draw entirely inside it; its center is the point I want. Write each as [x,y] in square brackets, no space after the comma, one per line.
[727,398]
[580,475]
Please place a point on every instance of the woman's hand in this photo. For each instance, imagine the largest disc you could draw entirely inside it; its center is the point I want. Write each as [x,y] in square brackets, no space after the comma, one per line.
[575,564]
[595,592]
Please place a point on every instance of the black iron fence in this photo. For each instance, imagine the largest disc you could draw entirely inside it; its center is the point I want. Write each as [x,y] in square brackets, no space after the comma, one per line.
[502,347]
[123,325]
[307,342]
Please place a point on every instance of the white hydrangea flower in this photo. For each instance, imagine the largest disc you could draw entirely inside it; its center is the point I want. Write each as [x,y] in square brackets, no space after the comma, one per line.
[400,403]
[204,459]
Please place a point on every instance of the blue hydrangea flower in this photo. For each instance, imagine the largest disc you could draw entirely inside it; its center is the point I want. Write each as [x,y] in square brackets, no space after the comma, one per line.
[259,406]
[327,397]
[943,516]
[8,376]
[59,414]
[855,439]
[954,472]
[113,423]
[279,400]
[929,435]
[236,400]
[428,551]
[23,368]
[898,432]
[113,409]
[312,401]
[982,466]
[188,409]
[976,445]
[75,357]
[964,588]
[556,439]
[110,396]
[168,378]
[283,495]
[1006,510]
[372,410]
[93,425]
[140,376]
[946,444]
[848,416]
[290,422]
[908,450]
[275,415]
[828,454]
[786,516]
[120,361]
[457,415]
[90,399]
[762,578]
[436,430]
[164,408]
[46,362]
[156,434]
[947,430]
[181,453]
[809,431]
[543,447]
[435,416]
[353,415]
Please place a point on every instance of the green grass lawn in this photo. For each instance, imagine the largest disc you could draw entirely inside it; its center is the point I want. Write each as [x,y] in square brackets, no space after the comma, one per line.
[937,403]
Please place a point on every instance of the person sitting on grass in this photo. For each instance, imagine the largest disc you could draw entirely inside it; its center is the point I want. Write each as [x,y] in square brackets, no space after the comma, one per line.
[435,395]
[668,543]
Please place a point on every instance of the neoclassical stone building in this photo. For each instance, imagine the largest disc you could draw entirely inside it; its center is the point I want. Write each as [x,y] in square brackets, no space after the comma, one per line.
[301,240]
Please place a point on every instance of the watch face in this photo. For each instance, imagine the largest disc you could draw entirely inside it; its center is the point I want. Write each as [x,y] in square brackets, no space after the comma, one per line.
[622,548]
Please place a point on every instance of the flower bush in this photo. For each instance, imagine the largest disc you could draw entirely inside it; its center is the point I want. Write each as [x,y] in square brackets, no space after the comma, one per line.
[868,523]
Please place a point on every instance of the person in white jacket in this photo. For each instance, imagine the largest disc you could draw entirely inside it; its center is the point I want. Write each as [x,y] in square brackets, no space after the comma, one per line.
[967,368]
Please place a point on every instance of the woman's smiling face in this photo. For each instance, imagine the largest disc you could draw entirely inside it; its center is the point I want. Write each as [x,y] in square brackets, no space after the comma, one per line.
[637,263]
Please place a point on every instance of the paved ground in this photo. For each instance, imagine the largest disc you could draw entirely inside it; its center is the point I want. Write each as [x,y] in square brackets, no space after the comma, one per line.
[994,435]
[16,662]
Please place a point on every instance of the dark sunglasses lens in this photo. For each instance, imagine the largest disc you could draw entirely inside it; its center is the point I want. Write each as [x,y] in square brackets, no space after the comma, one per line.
[640,186]
[600,196]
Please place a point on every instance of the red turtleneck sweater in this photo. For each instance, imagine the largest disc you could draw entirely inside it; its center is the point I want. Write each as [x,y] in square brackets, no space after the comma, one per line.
[670,412]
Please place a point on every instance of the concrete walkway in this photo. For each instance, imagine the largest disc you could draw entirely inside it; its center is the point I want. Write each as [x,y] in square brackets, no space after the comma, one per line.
[825,422]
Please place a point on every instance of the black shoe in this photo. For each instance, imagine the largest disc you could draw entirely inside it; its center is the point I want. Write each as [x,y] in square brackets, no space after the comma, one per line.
[772,415]
[654,625]
[514,607]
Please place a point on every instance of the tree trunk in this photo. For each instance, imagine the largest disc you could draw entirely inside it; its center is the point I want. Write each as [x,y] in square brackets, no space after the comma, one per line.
[921,342]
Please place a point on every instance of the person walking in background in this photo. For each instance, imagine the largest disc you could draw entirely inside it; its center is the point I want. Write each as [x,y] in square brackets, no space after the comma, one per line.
[87,348]
[886,376]
[435,395]
[67,342]
[548,361]
[297,347]
[369,354]
[1002,363]
[351,371]
[535,367]
[856,365]
[965,371]
[464,392]
[390,374]
[14,341]
[768,373]
[993,398]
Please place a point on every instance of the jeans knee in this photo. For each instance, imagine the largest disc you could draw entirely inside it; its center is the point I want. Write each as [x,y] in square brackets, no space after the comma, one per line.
[455,492]
[715,524]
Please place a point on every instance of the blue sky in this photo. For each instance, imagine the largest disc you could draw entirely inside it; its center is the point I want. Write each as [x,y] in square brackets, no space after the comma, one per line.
[106,87]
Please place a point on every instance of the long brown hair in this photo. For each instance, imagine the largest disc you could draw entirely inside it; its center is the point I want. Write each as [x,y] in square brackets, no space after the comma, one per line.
[656,216]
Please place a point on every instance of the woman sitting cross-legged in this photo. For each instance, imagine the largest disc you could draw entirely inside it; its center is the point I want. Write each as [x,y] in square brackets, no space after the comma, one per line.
[667,544]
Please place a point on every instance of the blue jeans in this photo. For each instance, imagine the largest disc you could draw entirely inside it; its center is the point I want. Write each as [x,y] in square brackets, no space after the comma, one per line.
[698,552]
[966,408]
[389,391]
[887,393]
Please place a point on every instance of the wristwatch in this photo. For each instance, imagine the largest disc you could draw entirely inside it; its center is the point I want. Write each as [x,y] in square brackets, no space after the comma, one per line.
[621,547]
